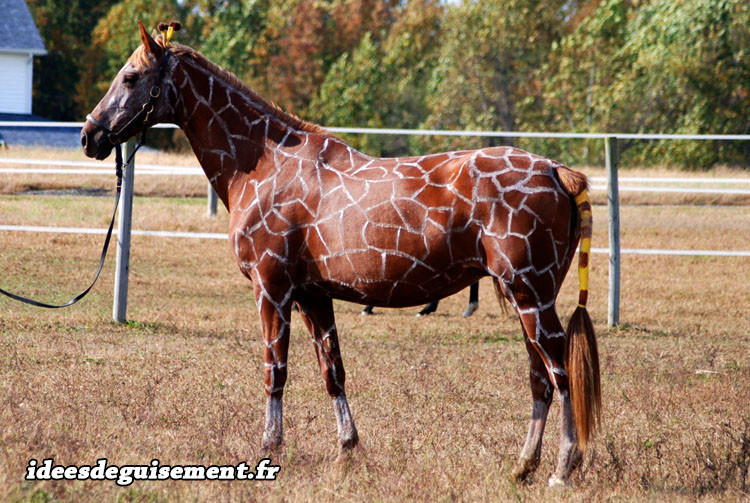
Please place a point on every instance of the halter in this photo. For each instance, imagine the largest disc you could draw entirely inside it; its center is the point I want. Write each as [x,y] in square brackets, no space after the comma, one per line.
[139,121]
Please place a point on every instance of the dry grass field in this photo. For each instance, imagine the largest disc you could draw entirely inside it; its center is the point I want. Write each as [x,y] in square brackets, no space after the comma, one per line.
[441,403]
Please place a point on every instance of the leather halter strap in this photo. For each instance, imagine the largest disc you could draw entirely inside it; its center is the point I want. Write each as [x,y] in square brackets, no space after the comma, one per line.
[140,120]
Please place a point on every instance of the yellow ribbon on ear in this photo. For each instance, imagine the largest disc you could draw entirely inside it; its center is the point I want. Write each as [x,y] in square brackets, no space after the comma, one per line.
[170,32]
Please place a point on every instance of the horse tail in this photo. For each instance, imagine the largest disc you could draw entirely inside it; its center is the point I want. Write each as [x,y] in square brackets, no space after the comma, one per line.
[581,353]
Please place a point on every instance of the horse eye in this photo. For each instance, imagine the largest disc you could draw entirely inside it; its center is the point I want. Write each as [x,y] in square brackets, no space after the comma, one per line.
[130,79]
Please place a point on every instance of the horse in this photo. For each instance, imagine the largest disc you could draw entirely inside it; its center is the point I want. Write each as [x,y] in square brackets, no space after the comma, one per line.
[432,306]
[312,219]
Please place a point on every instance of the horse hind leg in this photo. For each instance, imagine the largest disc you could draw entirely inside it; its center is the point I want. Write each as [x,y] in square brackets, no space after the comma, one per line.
[317,314]
[547,337]
[545,341]
[428,309]
[541,391]
[473,305]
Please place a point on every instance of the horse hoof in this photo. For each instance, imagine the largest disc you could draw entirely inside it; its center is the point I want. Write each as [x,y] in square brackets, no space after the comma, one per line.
[519,475]
[271,445]
[523,469]
[556,482]
[349,441]
[348,453]
[470,309]
[268,450]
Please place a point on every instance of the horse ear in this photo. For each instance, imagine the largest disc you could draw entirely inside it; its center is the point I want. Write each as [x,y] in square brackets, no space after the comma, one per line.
[148,41]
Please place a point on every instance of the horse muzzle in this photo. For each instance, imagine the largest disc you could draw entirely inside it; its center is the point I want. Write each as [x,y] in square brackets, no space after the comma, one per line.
[95,142]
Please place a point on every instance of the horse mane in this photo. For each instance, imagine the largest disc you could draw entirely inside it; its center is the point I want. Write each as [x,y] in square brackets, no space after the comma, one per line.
[141,59]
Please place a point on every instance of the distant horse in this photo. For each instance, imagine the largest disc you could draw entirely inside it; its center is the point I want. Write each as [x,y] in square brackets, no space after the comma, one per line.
[312,219]
[432,306]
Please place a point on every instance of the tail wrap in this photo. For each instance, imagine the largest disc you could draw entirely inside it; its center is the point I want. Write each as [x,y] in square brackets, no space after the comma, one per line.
[584,213]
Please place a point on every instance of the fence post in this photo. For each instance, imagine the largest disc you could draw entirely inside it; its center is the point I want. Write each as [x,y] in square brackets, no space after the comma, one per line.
[212,200]
[124,225]
[613,209]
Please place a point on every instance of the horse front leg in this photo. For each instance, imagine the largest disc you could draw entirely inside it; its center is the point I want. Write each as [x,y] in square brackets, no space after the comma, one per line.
[274,305]
[317,314]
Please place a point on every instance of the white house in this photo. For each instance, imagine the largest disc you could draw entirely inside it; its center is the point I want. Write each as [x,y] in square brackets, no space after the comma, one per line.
[19,43]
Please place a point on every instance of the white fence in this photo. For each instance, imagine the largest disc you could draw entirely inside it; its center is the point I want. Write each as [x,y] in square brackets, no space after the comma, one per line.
[611,185]
[598,182]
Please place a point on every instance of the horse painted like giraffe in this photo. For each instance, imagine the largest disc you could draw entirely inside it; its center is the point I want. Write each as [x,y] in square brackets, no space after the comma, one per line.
[312,219]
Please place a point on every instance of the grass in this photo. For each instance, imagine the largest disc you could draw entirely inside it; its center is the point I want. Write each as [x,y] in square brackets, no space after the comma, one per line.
[180,186]
[441,403]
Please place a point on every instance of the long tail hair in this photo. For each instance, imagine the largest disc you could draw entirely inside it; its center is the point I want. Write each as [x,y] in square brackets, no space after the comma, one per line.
[581,353]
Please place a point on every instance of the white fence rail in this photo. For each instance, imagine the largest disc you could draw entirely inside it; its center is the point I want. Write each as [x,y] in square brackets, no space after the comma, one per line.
[599,182]
[612,187]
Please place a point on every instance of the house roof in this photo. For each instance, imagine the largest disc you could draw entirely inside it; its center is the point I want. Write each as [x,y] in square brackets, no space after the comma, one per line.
[18,32]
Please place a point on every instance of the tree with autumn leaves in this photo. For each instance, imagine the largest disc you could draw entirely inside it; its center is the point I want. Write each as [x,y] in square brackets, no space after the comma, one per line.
[563,65]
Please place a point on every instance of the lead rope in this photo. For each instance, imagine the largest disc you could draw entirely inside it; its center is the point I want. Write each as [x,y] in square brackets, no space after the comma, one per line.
[118,173]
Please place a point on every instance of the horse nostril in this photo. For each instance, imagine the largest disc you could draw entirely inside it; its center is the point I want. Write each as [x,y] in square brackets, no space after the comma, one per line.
[83,139]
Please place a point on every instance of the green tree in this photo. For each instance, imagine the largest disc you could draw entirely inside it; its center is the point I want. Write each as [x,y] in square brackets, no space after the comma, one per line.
[383,84]
[65,27]
[312,38]
[487,77]
[658,67]
[235,35]
[353,95]
[285,49]
[116,36]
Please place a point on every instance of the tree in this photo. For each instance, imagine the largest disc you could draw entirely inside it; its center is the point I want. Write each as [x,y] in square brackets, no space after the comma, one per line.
[236,35]
[659,67]
[313,37]
[384,84]
[116,36]
[487,77]
[243,36]
[65,27]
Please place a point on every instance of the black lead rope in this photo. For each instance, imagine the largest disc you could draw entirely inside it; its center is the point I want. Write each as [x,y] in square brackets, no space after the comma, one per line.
[141,119]
[118,171]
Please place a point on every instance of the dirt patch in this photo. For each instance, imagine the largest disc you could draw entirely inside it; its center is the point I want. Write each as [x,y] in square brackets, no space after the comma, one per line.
[82,191]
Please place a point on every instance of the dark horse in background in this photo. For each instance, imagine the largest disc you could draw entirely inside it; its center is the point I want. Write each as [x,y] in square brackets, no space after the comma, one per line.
[432,306]
[312,219]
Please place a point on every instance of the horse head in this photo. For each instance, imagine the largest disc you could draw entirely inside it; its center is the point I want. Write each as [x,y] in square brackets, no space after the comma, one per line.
[136,99]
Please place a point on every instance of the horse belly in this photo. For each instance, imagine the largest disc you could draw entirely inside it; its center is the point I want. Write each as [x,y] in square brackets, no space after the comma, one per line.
[380,261]
[403,293]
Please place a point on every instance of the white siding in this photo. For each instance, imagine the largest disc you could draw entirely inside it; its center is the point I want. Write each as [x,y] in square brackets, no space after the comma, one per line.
[15,83]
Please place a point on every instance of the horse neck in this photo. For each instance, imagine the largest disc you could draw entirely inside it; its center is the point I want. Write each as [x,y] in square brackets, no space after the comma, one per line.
[229,131]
